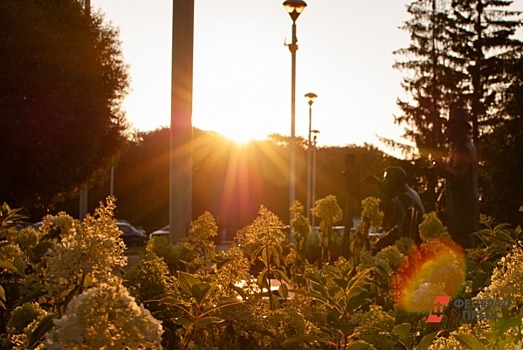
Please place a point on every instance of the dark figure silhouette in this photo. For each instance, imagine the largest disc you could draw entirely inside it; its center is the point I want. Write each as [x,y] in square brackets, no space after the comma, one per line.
[461,180]
[403,207]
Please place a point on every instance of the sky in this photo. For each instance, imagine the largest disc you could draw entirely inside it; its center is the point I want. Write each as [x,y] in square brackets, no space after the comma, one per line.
[242,68]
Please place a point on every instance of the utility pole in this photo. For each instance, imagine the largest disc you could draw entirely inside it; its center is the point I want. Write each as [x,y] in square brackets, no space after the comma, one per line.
[180,192]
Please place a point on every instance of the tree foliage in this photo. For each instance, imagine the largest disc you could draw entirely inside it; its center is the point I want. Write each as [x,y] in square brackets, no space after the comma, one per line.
[458,57]
[62,79]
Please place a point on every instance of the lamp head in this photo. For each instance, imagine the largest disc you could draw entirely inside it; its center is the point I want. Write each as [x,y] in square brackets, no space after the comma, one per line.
[294,8]
[310,96]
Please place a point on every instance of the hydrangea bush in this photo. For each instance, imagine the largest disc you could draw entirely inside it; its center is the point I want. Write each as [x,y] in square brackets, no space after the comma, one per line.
[63,287]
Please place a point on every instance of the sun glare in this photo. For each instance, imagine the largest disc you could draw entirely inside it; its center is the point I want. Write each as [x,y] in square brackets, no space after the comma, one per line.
[239,137]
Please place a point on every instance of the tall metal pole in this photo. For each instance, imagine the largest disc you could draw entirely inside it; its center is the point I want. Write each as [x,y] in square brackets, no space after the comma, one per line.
[310,96]
[84,190]
[180,196]
[111,184]
[309,165]
[293,47]
[313,195]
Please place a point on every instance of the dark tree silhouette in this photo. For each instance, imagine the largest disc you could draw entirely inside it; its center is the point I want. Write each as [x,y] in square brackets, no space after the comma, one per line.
[62,79]
[458,57]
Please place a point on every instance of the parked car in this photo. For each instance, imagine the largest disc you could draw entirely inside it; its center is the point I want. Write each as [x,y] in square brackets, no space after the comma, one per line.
[131,235]
[164,231]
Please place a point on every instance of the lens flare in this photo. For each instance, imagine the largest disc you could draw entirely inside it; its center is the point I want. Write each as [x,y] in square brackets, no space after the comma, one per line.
[435,268]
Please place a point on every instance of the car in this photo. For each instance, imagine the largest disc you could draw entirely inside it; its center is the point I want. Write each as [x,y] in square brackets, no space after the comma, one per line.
[163,232]
[131,235]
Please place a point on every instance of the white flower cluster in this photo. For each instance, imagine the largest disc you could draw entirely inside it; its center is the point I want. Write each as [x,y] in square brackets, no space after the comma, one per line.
[450,342]
[507,278]
[87,251]
[105,317]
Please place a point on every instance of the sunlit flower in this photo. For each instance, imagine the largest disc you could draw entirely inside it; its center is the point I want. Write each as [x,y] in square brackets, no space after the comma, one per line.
[507,278]
[370,208]
[432,227]
[105,317]
[86,252]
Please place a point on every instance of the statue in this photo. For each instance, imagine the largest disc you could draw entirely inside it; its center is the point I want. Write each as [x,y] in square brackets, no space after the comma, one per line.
[460,172]
[402,206]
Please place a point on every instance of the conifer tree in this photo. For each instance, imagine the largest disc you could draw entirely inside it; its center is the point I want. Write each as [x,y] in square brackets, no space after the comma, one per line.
[457,57]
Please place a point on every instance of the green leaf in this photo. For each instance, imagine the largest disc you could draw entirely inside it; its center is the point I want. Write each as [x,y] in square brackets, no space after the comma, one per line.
[45,325]
[256,253]
[470,342]
[185,321]
[281,275]
[42,248]
[201,291]
[2,298]
[341,282]
[273,254]
[8,266]
[426,341]
[187,281]
[306,338]
[357,297]
[504,325]
[403,330]
[360,345]
[169,300]
[206,321]
[262,280]
[266,256]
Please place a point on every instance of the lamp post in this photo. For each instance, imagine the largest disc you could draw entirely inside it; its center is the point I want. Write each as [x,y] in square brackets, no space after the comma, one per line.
[310,100]
[294,8]
[313,185]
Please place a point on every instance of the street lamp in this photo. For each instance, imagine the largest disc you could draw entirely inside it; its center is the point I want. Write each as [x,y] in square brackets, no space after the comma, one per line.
[313,191]
[310,100]
[294,8]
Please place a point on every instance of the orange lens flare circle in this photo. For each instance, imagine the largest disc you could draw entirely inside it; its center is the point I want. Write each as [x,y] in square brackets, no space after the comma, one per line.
[436,268]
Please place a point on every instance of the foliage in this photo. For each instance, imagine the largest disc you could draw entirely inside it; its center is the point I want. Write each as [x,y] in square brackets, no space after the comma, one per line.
[302,231]
[67,288]
[458,56]
[221,300]
[500,186]
[263,239]
[371,217]
[63,79]
[225,175]
[105,317]
[199,241]
[431,227]
[85,255]
[150,279]
[329,212]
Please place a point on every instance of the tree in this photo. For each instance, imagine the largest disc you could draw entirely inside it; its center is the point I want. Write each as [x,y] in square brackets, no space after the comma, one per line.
[487,47]
[430,75]
[502,151]
[62,79]
[458,57]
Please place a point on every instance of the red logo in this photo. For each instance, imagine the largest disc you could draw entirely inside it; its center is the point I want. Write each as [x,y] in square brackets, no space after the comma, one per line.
[440,303]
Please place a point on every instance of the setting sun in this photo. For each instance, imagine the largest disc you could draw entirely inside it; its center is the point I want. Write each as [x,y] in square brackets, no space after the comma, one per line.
[239,136]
